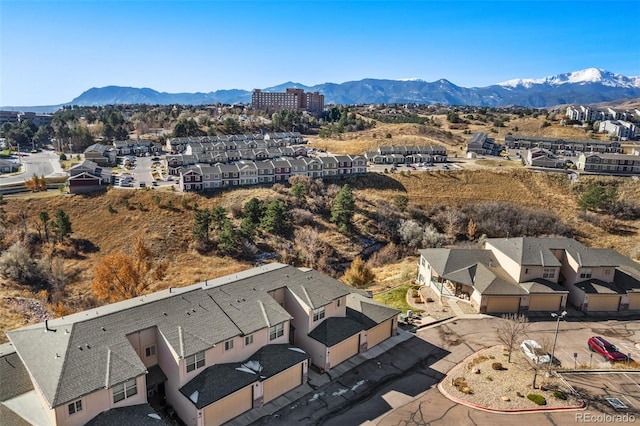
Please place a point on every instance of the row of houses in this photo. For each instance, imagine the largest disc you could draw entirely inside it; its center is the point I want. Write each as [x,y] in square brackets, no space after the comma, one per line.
[235,142]
[213,350]
[512,275]
[106,155]
[555,144]
[619,164]
[587,113]
[404,154]
[199,177]
[176,162]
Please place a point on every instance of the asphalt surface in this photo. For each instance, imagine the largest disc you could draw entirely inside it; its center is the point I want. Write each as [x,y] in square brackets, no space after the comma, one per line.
[399,386]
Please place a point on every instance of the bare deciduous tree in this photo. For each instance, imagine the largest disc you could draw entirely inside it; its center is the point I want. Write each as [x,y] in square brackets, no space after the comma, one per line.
[513,327]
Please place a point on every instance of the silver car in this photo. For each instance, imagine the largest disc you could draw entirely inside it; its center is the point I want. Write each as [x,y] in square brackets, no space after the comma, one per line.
[534,352]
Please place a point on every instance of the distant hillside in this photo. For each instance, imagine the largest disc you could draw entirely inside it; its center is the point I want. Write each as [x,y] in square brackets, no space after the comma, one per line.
[587,86]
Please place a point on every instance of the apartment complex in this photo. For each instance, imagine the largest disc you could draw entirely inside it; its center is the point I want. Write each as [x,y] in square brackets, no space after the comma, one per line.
[481,143]
[525,274]
[291,99]
[16,116]
[623,130]
[609,163]
[404,154]
[587,113]
[557,144]
[211,351]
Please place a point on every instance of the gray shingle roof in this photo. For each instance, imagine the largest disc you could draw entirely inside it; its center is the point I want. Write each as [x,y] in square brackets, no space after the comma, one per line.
[9,417]
[535,251]
[14,378]
[221,380]
[334,330]
[134,415]
[89,350]
[473,267]
[595,286]
[540,285]
[367,311]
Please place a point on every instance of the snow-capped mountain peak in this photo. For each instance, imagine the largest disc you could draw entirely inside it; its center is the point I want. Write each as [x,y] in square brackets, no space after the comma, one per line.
[582,77]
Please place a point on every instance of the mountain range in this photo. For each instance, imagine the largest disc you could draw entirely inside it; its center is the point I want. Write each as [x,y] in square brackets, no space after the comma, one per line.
[586,86]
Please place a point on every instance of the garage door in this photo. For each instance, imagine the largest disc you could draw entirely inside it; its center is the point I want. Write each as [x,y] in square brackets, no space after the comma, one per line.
[544,302]
[343,351]
[604,303]
[379,333]
[503,304]
[282,382]
[634,301]
[229,407]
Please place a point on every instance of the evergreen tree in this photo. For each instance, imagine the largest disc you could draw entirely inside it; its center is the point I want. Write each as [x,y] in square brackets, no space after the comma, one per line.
[253,210]
[343,209]
[218,217]
[276,218]
[201,225]
[62,225]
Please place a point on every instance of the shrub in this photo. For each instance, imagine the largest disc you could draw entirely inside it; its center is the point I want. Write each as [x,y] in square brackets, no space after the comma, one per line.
[497,366]
[560,395]
[538,399]
[110,208]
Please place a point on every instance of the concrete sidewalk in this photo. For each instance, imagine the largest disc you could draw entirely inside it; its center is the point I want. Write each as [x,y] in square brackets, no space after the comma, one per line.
[318,384]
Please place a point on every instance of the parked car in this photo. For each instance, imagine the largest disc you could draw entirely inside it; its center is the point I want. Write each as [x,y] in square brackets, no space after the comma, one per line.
[534,352]
[154,183]
[605,348]
[142,184]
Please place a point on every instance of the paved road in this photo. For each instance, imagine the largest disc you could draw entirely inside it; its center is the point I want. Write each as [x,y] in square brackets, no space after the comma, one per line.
[44,163]
[398,387]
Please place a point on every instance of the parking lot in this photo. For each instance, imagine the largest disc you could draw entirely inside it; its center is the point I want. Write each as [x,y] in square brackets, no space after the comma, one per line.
[623,386]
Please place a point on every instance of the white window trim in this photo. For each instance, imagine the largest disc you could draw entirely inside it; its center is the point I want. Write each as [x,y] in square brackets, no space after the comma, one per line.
[150,351]
[276,331]
[248,340]
[196,361]
[318,314]
[548,272]
[76,406]
[127,389]
[228,345]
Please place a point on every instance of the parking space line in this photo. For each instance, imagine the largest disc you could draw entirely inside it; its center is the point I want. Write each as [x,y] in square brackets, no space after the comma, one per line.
[632,380]
[628,400]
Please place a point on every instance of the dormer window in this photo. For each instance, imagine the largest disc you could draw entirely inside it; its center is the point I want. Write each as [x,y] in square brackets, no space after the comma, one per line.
[75,407]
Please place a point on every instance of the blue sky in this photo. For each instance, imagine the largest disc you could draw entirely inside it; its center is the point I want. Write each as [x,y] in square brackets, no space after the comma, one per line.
[52,51]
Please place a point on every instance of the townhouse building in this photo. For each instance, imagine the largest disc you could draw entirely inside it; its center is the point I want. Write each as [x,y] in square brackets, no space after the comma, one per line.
[407,154]
[234,142]
[481,143]
[620,164]
[211,351]
[540,157]
[511,275]
[197,176]
[556,145]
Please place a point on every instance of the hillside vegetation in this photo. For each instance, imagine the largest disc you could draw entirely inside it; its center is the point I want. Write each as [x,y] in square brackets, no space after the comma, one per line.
[405,211]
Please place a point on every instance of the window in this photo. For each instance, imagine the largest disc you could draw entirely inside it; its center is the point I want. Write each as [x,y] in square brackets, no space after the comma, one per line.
[228,345]
[75,406]
[318,314]
[248,340]
[338,302]
[195,361]
[548,272]
[150,351]
[585,273]
[526,270]
[276,331]
[607,271]
[124,390]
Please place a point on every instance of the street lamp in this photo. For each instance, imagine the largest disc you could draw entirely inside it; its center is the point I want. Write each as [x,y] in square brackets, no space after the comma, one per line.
[558,318]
